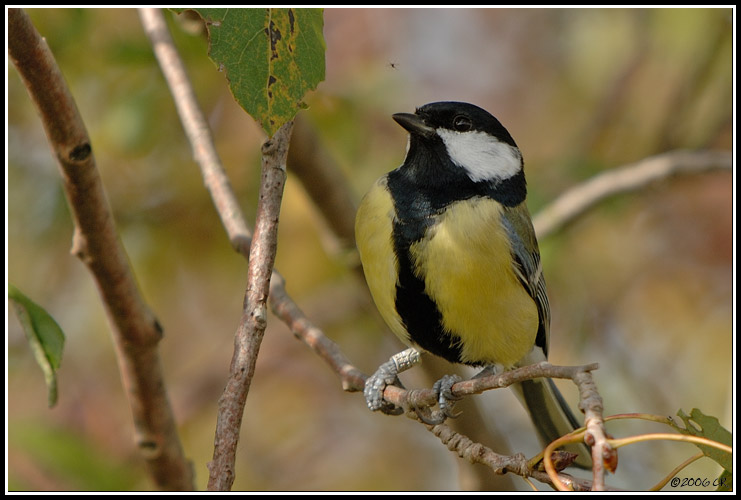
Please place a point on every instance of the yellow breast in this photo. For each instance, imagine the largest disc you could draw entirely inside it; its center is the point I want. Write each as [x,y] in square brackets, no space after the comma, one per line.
[465,262]
[467,268]
[373,237]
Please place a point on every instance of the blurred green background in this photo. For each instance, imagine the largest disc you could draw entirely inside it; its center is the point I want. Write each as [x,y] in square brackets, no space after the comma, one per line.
[642,284]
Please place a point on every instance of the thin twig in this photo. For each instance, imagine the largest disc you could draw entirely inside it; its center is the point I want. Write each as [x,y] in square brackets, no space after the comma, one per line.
[136,332]
[197,129]
[260,255]
[352,379]
[427,397]
[579,199]
[477,453]
[603,455]
[254,316]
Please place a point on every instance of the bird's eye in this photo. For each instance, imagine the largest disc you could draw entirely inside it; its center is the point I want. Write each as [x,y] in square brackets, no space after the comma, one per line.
[462,123]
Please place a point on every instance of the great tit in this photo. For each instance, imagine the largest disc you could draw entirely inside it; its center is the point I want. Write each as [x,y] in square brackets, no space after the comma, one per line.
[451,259]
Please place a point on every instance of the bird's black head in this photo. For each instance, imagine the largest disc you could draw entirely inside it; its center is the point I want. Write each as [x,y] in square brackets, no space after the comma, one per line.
[454,140]
[460,117]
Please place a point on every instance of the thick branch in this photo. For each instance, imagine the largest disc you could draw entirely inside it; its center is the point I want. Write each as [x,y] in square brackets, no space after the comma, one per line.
[136,332]
[579,199]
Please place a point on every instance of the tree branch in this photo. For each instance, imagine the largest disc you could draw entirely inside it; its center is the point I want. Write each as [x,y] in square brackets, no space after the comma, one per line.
[135,330]
[254,316]
[420,398]
[604,456]
[579,199]
[352,379]
[477,453]
[260,252]
[197,129]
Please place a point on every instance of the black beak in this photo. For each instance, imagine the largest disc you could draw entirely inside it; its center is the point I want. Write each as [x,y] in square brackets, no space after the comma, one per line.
[414,124]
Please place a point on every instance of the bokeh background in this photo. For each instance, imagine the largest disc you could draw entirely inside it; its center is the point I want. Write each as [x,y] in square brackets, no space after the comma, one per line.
[642,284]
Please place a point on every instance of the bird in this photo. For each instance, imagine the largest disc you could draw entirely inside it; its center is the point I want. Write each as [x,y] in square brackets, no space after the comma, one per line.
[451,259]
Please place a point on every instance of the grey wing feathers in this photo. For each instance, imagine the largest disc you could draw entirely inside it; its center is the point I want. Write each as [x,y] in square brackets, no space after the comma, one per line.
[527,264]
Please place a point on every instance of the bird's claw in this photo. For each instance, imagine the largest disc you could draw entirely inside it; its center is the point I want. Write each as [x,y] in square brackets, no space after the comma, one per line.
[374,387]
[445,397]
[387,374]
[445,400]
[429,417]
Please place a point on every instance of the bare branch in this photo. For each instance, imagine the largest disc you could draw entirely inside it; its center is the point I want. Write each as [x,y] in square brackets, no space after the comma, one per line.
[603,455]
[418,398]
[582,197]
[197,129]
[254,316]
[477,453]
[260,255]
[136,332]
[286,309]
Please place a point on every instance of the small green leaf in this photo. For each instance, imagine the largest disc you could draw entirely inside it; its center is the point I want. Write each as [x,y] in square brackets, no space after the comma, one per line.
[44,336]
[699,424]
[271,57]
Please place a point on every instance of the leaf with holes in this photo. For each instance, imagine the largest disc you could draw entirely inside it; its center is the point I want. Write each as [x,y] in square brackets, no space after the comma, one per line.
[44,335]
[699,424]
[271,57]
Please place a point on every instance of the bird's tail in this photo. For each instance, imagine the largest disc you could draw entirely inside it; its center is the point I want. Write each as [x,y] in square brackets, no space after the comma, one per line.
[551,415]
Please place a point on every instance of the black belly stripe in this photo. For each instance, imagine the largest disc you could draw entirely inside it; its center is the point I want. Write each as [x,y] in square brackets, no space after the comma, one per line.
[419,313]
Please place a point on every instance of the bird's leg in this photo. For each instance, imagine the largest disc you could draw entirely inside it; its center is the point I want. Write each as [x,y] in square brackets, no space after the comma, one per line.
[486,371]
[387,374]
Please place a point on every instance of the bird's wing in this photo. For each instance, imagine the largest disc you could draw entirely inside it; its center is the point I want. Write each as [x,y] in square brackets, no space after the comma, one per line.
[527,265]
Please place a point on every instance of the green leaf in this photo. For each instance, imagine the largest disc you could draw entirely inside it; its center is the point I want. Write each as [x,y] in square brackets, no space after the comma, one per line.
[44,336]
[272,58]
[699,424]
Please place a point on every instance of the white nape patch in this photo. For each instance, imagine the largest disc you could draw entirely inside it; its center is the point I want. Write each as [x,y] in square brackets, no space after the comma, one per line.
[484,157]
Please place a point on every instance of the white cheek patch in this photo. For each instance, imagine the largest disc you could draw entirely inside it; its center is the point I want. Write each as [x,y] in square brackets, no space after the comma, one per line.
[482,156]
